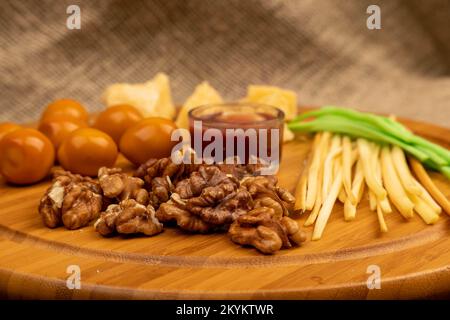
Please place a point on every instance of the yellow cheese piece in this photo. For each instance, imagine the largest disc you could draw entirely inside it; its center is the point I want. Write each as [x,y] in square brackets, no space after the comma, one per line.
[152,98]
[165,106]
[285,100]
[203,94]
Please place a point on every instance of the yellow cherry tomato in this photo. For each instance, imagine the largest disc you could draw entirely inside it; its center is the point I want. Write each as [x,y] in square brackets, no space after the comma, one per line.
[7,127]
[149,138]
[26,156]
[117,119]
[57,128]
[67,108]
[85,150]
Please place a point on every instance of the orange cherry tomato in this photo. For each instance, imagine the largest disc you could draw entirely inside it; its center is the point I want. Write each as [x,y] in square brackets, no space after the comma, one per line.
[67,108]
[7,127]
[86,150]
[26,156]
[117,119]
[57,128]
[149,138]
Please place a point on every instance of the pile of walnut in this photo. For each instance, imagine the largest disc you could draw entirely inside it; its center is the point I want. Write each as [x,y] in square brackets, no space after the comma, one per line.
[197,198]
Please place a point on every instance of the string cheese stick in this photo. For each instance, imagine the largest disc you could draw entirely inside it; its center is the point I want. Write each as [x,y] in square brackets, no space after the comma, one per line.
[358,190]
[311,192]
[313,215]
[325,176]
[311,188]
[318,204]
[424,210]
[372,200]
[349,210]
[327,207]
[355,156]
[374,150]
[300,194]
[347,170]
[342,195]
[359,184]
[384,204]
[365,155]
[300,190]
[425,196]
[381,221]
[426,181]
[335,150]
[393,185]
[406,178]
[337,165]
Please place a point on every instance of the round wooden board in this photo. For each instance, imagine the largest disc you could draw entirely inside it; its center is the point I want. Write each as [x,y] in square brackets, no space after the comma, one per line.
[413,258]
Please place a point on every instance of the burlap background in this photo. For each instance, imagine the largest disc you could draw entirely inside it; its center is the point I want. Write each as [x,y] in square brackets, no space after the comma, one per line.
[321,49]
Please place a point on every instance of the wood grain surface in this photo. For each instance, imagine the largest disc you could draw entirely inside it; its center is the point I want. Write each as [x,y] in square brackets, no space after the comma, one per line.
[414,259]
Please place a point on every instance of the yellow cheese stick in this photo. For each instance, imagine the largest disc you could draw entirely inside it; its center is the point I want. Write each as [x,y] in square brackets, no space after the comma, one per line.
[393,185]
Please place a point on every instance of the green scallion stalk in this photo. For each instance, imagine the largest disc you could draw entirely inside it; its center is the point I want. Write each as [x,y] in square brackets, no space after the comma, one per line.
[373,127]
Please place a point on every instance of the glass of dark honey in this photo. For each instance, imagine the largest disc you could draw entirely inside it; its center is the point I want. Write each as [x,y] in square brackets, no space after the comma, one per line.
[246,132]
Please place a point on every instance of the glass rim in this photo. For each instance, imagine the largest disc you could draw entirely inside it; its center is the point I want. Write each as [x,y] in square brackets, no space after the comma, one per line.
[279,116]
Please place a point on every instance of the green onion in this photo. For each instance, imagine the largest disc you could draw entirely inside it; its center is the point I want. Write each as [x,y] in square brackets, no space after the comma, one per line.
[373,127]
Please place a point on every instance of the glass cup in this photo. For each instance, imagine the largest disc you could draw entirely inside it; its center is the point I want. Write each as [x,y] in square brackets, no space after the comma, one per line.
[246,132]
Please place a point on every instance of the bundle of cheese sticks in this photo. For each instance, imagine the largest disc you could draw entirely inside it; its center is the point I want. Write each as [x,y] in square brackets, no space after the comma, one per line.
[340,169]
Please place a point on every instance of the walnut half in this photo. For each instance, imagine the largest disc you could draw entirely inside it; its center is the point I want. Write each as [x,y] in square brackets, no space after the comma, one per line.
[128,217]
[175,210]
[265,192]
[71,200]
[262,229]
[121,186]
[80,206]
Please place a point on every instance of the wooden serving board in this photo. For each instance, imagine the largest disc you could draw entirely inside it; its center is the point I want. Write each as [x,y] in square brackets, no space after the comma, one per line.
[414,259]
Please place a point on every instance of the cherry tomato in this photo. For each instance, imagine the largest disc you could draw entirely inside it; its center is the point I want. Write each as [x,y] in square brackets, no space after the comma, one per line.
[117,119]
[7,127]
[67,108]
[26,156]
[57,128]
[85,150]
[149,138]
